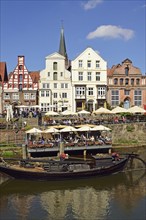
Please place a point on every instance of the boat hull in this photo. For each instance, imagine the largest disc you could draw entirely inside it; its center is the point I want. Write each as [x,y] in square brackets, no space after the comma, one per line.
[46,175]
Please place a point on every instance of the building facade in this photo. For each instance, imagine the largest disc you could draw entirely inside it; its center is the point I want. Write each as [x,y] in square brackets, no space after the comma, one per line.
[55,81]
[55,85]
[21,87]
[126,85]
[89,81]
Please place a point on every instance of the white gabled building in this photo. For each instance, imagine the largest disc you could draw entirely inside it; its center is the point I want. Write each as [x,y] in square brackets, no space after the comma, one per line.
[89,81]
[55,81]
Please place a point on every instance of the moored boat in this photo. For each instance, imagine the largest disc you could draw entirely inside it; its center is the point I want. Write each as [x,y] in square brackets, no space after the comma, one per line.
[63,169]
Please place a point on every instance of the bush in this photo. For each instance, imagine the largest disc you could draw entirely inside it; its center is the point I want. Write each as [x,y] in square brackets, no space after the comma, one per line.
[130,128]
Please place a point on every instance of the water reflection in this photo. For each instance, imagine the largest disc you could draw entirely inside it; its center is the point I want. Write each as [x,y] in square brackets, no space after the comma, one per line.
[122,195]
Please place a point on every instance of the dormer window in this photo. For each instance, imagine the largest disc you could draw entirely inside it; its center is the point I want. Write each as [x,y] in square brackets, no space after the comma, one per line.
[55,66]
[126,70]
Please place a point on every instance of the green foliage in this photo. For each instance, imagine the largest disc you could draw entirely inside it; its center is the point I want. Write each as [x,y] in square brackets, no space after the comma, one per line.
[128,142]
[130,128]
[8,154]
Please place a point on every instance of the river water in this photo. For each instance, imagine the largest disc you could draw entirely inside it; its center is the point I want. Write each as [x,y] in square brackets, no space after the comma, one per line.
[117,197]
[120,196]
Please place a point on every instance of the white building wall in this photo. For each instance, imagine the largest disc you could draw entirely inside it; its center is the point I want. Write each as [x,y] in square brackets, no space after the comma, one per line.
[59,87]
[98,64]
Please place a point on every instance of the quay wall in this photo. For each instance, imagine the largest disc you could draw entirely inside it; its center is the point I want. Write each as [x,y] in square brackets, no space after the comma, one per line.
[122,134]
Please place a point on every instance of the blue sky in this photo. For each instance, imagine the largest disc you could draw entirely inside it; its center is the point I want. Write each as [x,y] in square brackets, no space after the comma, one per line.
[114,28]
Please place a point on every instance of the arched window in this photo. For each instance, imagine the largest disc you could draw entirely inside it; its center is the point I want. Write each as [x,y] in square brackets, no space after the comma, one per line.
[126,70]
[137,81]
[20,67]
[132,82]
[126,81]
[55,66]
[121,81]
[115,81]
[55,76]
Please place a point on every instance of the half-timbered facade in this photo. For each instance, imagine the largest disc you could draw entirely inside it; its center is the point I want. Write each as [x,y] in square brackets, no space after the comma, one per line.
[22,86]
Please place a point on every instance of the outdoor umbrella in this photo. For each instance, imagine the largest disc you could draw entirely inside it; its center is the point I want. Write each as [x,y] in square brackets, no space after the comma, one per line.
[51,130]
[83,112]
[136,109]
[33,131]
[100,128]
[68,129]
[51,113]
[67,112]
[102,110]
[119,109]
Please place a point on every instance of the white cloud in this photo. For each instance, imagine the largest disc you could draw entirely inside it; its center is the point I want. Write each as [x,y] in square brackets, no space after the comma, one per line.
[111,31]
[91,4]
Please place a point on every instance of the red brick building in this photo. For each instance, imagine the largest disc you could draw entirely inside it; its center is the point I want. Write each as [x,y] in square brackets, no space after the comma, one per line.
[22,86]
[126,85]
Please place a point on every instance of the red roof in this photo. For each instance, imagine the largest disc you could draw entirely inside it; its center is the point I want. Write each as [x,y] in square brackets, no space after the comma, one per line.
[35,76]
[3,72]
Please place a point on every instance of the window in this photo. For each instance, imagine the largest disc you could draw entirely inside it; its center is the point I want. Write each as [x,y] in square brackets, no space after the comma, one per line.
[80,74]
[42,93]
[55,95]
[20,87]
[15,96]
[48,74]
[45,85]
[126,81]
[97,63]
[138,97]
[80,91]
[137,81]
[55,66]
[55,76]
[97,76]
[121,81]
[80,63]
[64,95]
[47,93]
[6,96]
[89,76]
[20,67]
[90,91]
[32,96]
[26,96]
[115,97]
[101,91]
[55,85]
[61,74]
[126,70]
[132,82]
[127,92]
[10,86]
[115,81]
[88,63]
[20,78]
[64,85]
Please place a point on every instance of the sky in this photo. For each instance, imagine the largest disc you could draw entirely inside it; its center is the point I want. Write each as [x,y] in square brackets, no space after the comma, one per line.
[116,29]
